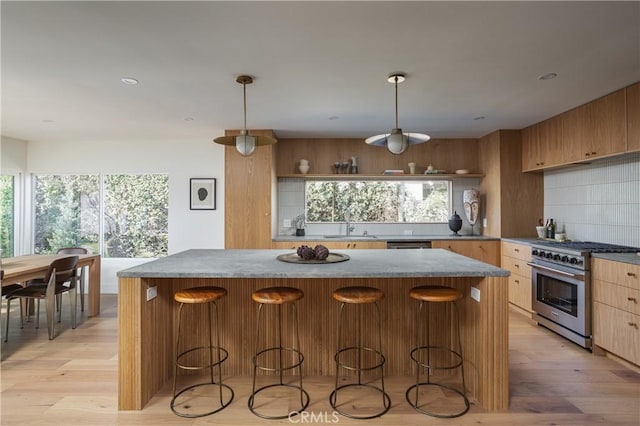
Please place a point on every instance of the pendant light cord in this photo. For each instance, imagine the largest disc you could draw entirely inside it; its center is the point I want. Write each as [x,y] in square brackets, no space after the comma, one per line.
[244,89]
[396,80]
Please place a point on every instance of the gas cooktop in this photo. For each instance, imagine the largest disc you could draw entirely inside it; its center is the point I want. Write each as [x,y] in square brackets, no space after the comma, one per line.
[588,246]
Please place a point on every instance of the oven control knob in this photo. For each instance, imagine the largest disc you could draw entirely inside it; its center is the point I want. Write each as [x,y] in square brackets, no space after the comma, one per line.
[573,260]
[541,253]
[579,261]
[534,252]
[556,257]
[565,258]
[549,255]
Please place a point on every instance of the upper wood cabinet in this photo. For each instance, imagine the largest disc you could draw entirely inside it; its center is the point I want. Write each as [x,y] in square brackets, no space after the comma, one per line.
[542,145]
[596,129]
[633,118]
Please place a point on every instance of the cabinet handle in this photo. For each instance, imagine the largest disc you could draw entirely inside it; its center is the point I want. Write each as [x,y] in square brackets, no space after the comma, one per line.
[593,153]
[631,274]
[633,324]
[542,164]
[354,245]
[632,299]
[516,281]
[515,265]
[586,154]
[516,250]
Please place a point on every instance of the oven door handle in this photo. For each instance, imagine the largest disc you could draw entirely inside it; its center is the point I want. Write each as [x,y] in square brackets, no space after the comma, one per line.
[546,268]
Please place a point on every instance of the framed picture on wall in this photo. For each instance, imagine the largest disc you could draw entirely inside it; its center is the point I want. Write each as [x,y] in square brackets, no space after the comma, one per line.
[203,194]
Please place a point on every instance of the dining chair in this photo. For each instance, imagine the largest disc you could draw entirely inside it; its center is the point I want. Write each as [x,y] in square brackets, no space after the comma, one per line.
[8,289]
[77,250]
[60,272]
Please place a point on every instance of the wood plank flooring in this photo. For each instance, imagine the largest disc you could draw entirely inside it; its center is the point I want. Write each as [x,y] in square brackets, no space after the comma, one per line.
[72,380]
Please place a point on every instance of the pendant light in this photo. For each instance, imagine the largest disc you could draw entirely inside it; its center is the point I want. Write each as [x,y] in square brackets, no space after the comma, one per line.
[396,141]
[244,142]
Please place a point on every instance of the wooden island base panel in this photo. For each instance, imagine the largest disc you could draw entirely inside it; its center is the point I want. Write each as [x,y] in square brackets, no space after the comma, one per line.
[147,329]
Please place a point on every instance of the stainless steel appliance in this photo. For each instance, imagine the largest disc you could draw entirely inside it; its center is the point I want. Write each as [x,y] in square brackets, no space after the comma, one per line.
[561,286]
[417,244]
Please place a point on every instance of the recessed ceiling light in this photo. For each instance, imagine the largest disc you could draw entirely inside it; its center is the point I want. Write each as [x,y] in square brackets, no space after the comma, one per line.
[548,76]
[334,117]
[129,80]
[188,119]
[47,121]
[480,117]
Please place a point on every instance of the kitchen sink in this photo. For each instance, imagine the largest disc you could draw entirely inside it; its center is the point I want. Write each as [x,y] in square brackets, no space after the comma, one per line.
[352,237]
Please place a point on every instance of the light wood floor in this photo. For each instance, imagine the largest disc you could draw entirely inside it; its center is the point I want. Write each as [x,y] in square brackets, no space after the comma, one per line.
[72,380]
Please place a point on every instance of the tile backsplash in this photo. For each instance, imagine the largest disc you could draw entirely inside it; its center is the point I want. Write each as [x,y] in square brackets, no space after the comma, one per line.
[597,202]
[291,204]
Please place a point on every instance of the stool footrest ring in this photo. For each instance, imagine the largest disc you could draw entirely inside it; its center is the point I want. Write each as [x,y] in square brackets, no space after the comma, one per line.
[334,395]
[436,367]
[381,359]
[288,367]
[252,399]
[191,416]
[224,352]
[440,385]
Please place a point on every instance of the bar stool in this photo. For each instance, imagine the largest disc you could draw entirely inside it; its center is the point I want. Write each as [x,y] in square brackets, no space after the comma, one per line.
[278,296]
[359,296]
[436,294]
[210,296]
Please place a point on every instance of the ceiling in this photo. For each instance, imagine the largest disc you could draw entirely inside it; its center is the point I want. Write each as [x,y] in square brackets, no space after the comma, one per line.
[319,68]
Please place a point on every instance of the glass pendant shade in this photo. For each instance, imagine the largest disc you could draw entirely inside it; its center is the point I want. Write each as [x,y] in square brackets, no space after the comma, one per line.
[245,144]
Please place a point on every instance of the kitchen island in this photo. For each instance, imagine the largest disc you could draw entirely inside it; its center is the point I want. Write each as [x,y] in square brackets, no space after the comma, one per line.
[146,329]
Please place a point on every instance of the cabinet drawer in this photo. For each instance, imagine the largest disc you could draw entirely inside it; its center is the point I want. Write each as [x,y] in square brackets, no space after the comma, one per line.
[617,331]
[517,266]
[620,273]
[520,291]
[617,296]
[519,251]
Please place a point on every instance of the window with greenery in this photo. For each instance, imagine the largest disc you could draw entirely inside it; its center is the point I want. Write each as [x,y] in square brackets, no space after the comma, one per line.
[134,219]
[378,201]
[67,212]
[136,215]
[7,219]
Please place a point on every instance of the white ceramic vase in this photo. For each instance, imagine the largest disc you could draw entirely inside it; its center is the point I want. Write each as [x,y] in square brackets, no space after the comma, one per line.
[304,167]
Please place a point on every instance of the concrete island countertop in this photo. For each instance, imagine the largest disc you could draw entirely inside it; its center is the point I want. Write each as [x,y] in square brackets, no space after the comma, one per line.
[200,263]
[374,237]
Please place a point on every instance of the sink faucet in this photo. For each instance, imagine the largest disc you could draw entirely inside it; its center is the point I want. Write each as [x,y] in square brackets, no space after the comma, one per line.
[347,218]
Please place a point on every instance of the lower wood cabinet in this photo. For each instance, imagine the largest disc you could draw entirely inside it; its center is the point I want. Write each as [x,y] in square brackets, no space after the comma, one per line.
[514,259]
[331,245]
[616,308]
[487,251]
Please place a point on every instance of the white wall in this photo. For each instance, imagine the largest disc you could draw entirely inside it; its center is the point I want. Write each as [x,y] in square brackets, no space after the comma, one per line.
[13,155]
[180,159]
[597,202]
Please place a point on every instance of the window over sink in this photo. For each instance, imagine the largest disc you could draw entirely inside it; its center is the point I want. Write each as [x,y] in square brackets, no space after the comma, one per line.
[378,201]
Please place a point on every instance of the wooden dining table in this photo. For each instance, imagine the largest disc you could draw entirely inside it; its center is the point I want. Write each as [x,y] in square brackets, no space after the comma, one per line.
[20,269]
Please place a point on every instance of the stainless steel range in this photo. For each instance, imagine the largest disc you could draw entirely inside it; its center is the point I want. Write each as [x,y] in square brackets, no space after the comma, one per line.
[561,286]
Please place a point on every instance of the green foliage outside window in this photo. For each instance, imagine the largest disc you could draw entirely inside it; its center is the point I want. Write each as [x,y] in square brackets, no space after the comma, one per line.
[378,201]
[6,215]
[136,216]
[135,220]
